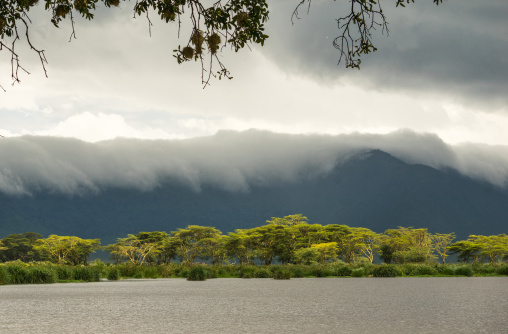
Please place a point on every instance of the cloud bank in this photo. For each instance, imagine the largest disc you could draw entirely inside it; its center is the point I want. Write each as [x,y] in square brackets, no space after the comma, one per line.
[234,161]
[455,50]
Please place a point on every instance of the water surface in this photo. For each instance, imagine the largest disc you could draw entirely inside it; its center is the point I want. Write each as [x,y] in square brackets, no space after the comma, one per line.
[304,305]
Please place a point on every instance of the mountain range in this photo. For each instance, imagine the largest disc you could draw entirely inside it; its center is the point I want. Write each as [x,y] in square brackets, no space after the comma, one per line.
[372,189]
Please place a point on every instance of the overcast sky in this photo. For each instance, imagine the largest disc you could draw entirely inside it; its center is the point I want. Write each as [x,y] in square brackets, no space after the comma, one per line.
[442,70]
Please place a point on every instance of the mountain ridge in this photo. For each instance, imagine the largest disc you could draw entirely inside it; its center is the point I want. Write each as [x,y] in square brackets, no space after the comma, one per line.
[372,189]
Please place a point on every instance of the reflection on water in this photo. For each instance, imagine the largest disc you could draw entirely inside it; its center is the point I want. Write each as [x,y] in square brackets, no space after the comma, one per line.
[304,305]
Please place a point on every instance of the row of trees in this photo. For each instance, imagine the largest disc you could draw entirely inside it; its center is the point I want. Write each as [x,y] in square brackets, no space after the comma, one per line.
[31,246]
[290,239]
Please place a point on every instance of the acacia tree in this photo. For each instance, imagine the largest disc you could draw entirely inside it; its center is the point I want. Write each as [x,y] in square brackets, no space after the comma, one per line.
[66,249]
[308,234]
[19,247]
[57,248]
[466,250]
[240,245]
[83,250]
[481,248]
[326,251]
[306,255]
[406,244]
[136,248]
[193,241]
[264,239]
[363,242]
[234,23]
[494,247]
[288,220]
[214,26]
[169,250]
[440,243]
[214,248]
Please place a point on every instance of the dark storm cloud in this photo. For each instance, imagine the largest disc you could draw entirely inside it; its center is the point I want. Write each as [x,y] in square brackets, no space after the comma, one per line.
[230,160]
[457,49]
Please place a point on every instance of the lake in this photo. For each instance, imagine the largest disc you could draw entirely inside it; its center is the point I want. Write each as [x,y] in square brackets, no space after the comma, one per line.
[230,305]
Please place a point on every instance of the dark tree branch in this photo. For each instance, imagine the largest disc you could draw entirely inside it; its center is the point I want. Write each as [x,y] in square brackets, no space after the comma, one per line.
[233,23]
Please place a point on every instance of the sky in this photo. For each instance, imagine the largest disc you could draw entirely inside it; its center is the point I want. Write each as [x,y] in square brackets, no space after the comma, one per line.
[441,70]
[116,108]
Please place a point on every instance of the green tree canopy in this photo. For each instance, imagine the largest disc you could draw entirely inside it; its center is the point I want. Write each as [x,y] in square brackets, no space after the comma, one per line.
[240,245]
[406,244]
[478,248]
[66,249]
[440,244]
[194,241]
[138,248]
[19,247]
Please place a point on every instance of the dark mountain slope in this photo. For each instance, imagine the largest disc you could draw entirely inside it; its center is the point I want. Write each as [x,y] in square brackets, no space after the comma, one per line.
[373,190]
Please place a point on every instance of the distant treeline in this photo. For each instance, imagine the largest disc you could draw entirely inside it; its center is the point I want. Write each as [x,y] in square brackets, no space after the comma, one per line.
[287,240]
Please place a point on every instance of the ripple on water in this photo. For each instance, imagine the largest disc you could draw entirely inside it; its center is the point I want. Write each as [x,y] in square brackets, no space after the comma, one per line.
[306,305]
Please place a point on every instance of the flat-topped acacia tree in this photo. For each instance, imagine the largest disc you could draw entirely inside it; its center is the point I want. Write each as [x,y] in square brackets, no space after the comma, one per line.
[214,25]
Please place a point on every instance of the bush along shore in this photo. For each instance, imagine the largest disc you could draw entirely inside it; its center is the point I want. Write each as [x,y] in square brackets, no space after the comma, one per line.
[40,273]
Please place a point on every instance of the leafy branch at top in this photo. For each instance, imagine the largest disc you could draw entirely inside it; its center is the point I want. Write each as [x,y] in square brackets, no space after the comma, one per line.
[356,28]
[233,23]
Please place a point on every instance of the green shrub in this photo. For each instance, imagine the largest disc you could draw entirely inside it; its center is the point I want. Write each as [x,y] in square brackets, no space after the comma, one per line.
[99,265]
[19,274]
[221,272]
[176,270]
[406,268]
[247,272]
[212,272]
[150,272]
[129,270]
[358,272]
[262,273]
[464,270]
[448,270]
[197,273]
[502,270]
[164,270]
[5,278]
[422,269]
[113,274]
[282,274]
[385,270]
[87,274]
[484,269]
[368,269]
[184,273]
[321,271]
[64,273]
[138,274]
[344,271]
[298,271]
[40,275]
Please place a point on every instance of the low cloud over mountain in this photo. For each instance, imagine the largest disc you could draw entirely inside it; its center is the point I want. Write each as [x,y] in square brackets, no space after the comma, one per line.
[233,161]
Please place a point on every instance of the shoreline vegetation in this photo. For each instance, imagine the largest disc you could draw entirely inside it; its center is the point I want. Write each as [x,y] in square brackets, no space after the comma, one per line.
[46,273]
[283,248]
